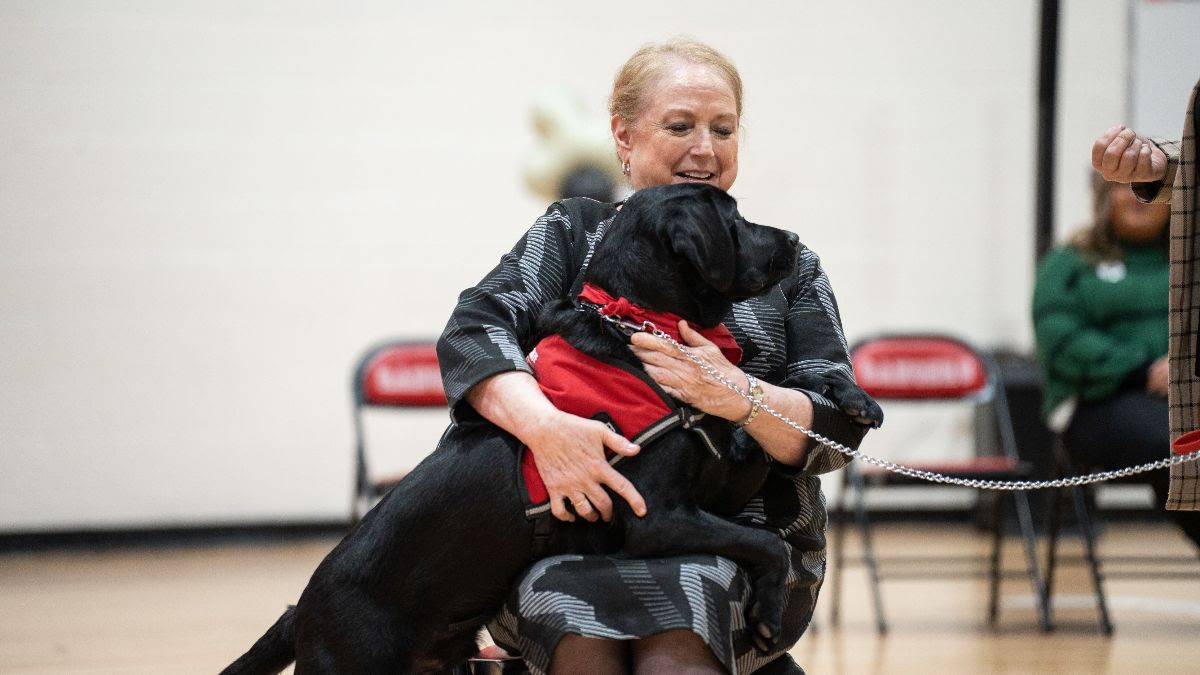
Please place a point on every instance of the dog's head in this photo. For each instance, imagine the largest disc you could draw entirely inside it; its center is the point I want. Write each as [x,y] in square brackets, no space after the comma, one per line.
[686,250]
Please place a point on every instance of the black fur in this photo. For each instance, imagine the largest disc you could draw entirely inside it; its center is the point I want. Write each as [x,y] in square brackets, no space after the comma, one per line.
[407,589]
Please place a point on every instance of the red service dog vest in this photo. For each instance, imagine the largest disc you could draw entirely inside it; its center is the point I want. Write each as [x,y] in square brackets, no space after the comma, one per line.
[621,395]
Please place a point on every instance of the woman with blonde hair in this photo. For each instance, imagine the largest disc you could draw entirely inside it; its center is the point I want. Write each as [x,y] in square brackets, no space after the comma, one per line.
[676,110]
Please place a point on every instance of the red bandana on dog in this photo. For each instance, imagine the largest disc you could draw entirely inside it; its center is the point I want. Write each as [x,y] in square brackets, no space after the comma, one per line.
[613,392]
[667,323]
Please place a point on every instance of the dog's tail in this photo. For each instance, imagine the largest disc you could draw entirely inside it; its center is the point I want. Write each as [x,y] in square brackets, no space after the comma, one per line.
[273,651]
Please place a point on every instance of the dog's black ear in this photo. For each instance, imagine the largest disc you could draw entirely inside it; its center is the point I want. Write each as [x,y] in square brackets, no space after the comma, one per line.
[700,231]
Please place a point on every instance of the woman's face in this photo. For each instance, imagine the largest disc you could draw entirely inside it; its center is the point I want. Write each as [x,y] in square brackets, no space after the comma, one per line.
[1135,222]
[686,131]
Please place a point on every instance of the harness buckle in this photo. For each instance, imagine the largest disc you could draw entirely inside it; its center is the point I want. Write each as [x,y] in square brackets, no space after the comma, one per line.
[689,417]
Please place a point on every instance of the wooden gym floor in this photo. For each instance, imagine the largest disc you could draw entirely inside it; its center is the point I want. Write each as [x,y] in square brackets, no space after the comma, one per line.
[192,609]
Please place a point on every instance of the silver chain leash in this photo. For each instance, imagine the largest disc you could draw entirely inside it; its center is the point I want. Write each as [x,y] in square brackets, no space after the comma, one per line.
[909,471]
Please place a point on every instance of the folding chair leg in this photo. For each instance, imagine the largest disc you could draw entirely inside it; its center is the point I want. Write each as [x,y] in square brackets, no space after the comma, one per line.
[838,533]
[994,568]
[1052,527]
[1082,512]
[1040,594]
[860,514]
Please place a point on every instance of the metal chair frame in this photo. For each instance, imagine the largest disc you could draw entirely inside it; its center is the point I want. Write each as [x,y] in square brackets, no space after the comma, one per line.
[1082,499]
[409,386]
[1008,466]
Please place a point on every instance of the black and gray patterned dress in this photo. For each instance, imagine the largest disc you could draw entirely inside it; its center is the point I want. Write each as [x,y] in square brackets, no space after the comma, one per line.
[790,336]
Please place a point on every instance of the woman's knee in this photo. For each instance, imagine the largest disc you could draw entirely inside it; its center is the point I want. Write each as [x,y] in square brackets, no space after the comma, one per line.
[674,651]
[579,654]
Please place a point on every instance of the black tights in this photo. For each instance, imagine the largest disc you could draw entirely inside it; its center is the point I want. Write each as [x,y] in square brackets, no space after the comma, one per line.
[1125,429]
[675,651]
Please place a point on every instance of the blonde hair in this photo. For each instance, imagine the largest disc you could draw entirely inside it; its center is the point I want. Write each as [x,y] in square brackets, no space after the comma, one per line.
[647,63]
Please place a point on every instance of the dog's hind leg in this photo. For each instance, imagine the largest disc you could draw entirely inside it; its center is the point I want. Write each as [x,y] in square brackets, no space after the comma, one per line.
[272,652]
[762,553]
[353,637]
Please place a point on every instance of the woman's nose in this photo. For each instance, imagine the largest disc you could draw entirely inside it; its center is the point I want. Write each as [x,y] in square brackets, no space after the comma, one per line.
[703,145]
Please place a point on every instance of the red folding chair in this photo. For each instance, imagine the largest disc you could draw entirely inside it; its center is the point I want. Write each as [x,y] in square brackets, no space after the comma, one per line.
[930,370]
[400,374]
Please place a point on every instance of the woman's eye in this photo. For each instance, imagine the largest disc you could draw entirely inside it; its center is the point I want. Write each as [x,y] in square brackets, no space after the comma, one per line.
[678,127]
[723,131]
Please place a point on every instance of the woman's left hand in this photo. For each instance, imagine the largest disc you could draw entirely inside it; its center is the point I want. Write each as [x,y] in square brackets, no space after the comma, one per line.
[684,380]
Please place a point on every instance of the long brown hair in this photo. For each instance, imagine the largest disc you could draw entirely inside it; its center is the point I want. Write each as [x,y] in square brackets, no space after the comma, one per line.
[1096,242]
[1100,241]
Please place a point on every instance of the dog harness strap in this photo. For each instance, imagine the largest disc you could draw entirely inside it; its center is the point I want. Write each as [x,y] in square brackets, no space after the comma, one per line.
[529,482]
[543,526]
[537,497]
[683,417]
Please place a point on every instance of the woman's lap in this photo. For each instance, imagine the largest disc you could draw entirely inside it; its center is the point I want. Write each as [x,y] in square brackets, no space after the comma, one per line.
[1127,428]
[624,599]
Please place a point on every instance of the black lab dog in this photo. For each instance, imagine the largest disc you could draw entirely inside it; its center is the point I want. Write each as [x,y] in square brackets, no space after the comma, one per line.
[408,588]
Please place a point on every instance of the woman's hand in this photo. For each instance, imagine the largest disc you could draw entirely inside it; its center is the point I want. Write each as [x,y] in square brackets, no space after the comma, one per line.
[569,450]
[684,380]
[1157,377]
[1122,155]
[570,459]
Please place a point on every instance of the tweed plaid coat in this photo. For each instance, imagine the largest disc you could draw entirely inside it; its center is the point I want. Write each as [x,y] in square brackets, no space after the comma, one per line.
[1179,187]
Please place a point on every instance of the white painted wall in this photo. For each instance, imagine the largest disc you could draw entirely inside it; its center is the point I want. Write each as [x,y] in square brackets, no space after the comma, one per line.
[209,209]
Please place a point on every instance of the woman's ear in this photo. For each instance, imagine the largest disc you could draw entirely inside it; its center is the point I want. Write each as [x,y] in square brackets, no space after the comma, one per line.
[621,133]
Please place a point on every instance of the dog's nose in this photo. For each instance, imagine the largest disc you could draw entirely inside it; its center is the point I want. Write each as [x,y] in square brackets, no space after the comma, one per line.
[793,239]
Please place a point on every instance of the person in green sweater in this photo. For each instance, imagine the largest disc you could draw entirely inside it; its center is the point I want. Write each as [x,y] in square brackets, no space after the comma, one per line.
[1100,322]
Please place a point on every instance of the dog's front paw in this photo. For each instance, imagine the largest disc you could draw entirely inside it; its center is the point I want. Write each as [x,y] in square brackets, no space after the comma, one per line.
[856,403]
[845,394]
[764,621]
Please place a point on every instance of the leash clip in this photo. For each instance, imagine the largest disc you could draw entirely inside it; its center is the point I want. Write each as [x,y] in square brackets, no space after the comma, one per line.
[622,324]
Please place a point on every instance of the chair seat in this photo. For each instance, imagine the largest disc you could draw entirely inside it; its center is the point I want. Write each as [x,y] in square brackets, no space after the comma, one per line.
[397,375]
[996,467]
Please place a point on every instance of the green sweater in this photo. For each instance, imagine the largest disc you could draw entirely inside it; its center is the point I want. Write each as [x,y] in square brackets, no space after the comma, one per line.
[1097,325]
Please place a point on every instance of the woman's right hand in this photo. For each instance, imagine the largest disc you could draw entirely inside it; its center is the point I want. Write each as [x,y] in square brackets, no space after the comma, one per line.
[571,460]
[1157,377]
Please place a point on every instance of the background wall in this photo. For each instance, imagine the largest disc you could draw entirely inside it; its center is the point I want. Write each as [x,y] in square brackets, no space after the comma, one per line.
[208,210]
[1162,33]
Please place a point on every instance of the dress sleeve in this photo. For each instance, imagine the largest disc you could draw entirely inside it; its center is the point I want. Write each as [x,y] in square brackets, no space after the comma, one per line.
[489,329]
[1160,191]
[1068,345]
[818,363]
